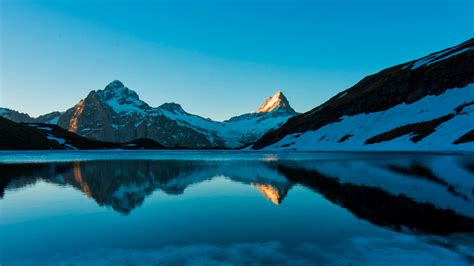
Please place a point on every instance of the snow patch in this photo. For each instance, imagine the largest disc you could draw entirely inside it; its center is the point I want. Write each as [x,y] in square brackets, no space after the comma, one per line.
[438,57]
[364,126]
[53,121]
[270,104]
[124,108]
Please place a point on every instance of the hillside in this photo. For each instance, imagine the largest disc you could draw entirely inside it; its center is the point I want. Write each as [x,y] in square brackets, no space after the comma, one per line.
[425,104]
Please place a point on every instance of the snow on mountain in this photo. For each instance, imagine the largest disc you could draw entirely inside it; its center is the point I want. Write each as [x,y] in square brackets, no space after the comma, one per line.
[240,130]
[172,107]
[237,131]
[50,118]
[176,112]
[425,104]
[439,56]
[122,100]
[277,101]
[355,132]
[117,114]
[249,128]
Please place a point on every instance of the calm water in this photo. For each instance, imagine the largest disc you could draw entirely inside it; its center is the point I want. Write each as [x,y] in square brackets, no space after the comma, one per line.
[201,208]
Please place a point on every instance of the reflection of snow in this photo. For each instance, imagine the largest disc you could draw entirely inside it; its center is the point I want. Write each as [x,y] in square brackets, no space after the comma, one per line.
[399,250]
[452,191]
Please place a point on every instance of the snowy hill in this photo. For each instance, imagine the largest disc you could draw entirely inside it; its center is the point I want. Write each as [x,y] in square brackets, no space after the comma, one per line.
[425,104]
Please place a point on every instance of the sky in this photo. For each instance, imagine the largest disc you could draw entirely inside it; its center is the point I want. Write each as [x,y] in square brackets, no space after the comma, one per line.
[216,58]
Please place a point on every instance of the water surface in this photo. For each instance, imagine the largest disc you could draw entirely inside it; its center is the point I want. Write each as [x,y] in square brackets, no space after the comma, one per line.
[182,207]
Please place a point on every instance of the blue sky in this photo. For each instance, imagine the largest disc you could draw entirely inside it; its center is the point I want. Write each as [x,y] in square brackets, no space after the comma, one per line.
[216,58]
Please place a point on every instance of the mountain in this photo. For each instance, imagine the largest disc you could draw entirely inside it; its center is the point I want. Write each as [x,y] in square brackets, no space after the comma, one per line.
[41,136]
[50,118]
[15,116]
[117,114]
[277,102]
[245,129]
[425,104]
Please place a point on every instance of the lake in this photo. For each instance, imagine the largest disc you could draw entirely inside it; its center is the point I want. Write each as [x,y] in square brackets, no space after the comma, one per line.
[234,208]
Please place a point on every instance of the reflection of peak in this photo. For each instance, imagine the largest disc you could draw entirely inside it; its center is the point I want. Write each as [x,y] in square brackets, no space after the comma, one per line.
[82,184]
[273,194]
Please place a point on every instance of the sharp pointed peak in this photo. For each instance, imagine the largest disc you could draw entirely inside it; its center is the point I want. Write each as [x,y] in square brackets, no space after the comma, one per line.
[278,93]
[276,102]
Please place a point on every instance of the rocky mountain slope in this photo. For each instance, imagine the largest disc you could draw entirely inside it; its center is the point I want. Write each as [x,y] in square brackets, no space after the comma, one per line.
[117,114]
[40,136]
[425,104]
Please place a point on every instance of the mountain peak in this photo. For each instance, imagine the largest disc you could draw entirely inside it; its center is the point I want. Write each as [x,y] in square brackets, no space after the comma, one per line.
[120,98]
[115,84]
[172,107]
[116,89]
[277,102]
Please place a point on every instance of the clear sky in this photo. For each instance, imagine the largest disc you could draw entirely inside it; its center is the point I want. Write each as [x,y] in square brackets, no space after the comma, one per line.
[216,58]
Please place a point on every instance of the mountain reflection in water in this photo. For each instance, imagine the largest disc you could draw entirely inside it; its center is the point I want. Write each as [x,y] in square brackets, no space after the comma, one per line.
[433,194]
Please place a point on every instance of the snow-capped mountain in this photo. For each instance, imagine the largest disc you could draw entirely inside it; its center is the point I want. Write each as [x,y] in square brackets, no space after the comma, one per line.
[117,114]
[235,132]
[425,104]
